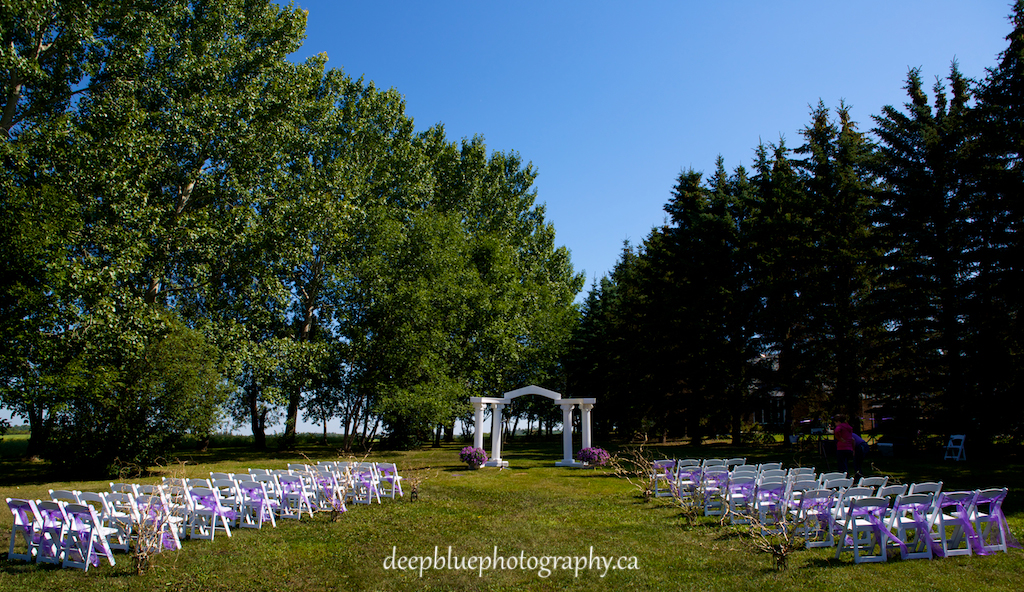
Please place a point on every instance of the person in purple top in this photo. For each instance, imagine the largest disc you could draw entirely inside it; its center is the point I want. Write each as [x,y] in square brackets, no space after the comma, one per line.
[843,434]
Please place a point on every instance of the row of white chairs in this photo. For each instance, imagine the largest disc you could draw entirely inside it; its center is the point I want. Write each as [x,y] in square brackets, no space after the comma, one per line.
[925,525]
[74,528]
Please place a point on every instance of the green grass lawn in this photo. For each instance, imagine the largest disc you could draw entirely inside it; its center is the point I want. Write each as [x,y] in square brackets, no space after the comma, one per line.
[532,509]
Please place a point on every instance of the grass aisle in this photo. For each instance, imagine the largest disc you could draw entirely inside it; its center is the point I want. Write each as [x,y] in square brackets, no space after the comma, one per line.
[531,510]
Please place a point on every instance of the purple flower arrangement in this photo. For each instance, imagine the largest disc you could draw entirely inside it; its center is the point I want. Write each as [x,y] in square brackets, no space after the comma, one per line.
[593,456]
[474,457]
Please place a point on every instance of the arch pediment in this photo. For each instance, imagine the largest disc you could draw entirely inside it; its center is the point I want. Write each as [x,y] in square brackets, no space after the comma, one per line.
[532,390]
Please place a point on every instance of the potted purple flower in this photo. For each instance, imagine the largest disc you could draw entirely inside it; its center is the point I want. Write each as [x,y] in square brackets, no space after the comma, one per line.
[593,456]
[473,457]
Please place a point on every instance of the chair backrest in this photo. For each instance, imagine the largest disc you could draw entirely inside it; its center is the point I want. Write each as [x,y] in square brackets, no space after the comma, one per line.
[259,472]
[853,493]
[96,500]
[687,462]
[192,483]
[844,483]
[876,482]
[714,462]
[772,473]
[270,484]
[64,495]
[804,485]
[990,501]
[926,487]
[739,469]
[769,466]
[874,505]
[122,504]
[891,492]
[817,500]
[216,475]
[150,505]
[800,473]
[52,513]
[129,488]
[772,487]
[919,501]
[25,513]
[735,462]
[387,468]
[297,467]
[149,489]
[955,500]
[830,476]
[228,488]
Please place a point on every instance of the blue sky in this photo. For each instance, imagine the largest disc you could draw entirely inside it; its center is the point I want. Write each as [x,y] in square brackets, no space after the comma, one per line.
[610,101]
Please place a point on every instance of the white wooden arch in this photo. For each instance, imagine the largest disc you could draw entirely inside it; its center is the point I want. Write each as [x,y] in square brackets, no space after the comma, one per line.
[498,404]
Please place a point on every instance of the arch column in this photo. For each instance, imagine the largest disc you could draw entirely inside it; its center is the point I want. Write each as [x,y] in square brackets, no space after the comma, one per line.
[496,425]
[585,422]
[478,424]
[567,459]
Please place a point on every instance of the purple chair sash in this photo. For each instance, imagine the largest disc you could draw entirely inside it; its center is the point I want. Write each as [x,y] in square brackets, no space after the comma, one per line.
[960,517]
[209,503]
[873,515]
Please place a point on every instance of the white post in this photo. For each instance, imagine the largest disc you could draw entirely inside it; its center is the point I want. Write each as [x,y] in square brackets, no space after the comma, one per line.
[567,460]
[496,437]
[478,429]
[585,422]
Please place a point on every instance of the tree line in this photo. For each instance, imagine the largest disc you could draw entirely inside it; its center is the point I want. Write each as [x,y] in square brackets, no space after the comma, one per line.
[197,229]
[879,270]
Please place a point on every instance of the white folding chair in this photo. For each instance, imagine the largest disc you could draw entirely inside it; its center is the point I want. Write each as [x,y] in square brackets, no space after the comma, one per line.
[364,484]
[814,517]
[157,528]
[257,505]
[910,519]
[330,493]
[952,523]
[122,516]
[51,540]
[390,480]
[715,486]
[230,498]
[955,448]
[864,530]
[207,513]
[663,473]
[294,497]
[989,521]
[771,504]
[85,538]
[27,529]
[741,497]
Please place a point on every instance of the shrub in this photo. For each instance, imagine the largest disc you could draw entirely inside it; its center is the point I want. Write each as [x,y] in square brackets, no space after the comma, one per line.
[473,456]
[593,456]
